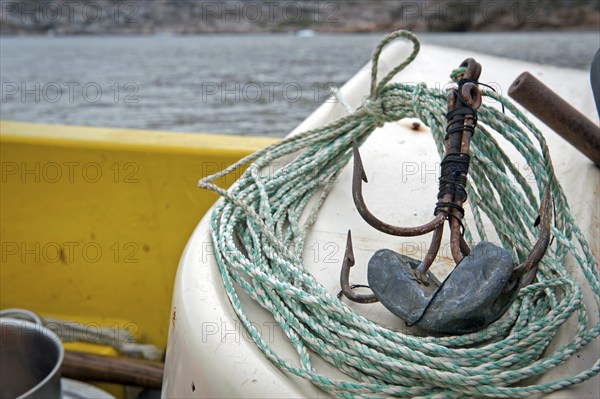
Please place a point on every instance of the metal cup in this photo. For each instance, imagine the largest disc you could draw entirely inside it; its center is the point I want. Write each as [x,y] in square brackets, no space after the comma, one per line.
[30,358]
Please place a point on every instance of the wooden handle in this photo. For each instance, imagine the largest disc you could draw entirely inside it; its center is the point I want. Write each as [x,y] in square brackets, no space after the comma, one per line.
[559,115]
[126,371]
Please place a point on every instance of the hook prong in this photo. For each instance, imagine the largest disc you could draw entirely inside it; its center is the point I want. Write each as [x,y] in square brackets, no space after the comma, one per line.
[528,269]
[358,177]
[347,288]
[358,165]
[433,250]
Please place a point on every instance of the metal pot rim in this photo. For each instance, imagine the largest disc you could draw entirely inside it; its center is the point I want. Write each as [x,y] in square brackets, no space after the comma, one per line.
[48,334]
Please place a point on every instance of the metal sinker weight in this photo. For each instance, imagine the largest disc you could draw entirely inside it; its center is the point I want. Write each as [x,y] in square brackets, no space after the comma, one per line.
[456,307]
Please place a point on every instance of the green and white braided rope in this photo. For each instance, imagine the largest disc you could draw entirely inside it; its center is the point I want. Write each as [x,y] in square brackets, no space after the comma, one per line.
[259,228]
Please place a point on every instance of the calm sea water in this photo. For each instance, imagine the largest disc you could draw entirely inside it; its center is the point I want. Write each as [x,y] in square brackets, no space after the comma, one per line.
[243,84]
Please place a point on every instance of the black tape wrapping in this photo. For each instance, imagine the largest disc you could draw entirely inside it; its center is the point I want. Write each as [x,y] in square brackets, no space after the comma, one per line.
[455,167]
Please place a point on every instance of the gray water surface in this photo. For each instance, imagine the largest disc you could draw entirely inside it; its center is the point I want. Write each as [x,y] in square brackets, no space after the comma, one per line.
[231,84]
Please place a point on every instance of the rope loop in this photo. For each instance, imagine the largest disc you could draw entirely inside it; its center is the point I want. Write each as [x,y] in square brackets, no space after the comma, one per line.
[377,88]
[457,73]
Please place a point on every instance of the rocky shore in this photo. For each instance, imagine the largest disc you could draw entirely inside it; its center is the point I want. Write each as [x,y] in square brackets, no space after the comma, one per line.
[106,17]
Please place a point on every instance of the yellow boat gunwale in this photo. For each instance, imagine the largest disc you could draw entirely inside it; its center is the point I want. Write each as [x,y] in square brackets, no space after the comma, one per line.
[156,213]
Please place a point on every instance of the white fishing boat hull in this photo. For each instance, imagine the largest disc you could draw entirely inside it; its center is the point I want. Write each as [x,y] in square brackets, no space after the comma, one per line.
[210,355]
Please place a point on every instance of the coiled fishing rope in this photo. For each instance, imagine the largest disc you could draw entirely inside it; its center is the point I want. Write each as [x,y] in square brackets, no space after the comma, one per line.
[259,228]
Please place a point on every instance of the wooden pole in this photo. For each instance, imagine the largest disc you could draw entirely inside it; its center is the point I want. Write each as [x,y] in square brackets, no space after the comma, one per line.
[118,370]
[559,115]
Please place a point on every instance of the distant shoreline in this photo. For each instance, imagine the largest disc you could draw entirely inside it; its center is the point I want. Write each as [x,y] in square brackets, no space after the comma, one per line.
[291,33]
[191,17]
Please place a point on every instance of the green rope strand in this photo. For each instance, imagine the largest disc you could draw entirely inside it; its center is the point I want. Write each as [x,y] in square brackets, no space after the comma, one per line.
[260,226]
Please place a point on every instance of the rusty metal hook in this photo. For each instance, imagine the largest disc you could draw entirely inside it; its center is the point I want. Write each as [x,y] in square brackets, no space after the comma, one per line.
[445,306]
[470,97]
